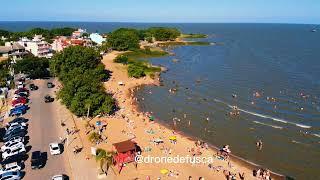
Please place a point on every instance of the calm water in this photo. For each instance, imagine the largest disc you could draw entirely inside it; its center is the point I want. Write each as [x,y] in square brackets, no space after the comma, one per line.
[278,61]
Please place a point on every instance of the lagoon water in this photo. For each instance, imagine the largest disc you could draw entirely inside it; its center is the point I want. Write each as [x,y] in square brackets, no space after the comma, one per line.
[280,61]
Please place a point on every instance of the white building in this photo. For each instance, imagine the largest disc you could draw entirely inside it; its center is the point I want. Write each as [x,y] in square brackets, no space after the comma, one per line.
[78,33]
[12,50]
[97,38]
[37,46]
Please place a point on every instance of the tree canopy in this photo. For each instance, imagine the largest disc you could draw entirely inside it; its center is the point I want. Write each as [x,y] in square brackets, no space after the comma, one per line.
[81,72]
[35,67]
[46,33]
[124,39]
[164,34]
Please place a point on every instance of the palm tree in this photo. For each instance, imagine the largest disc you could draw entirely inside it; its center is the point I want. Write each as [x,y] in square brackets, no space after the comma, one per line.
[105,158]
[94,137]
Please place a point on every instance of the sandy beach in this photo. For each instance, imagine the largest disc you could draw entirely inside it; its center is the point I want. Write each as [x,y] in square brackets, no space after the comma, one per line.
[129,123]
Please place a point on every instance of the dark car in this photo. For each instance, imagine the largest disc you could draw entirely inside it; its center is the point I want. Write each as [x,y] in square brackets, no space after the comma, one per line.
[38,159]
[48,99]
[33,87]
[22,107]
[18,120]
[15,158]
[13,134]
[50,85]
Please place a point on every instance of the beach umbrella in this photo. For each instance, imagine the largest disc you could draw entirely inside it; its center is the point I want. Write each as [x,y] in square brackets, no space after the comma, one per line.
[98,123]
[151,118]
[164,171]
[173,138]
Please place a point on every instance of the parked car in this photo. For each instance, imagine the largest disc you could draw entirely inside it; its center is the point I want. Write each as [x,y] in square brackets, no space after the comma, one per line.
[23,94]
[11,175]
[50,85]
[37,160]
[19,101]
[14,135]
[10,124]
[15,166]
[16,112]
[60,177]
[48,99]
[11,144]
[21,107]
[54,149]
[15,129]
[12,152]
[21,90]
[18,120]
[33,87]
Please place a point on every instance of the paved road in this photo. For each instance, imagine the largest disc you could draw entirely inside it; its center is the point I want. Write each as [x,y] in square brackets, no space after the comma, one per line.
[44,128]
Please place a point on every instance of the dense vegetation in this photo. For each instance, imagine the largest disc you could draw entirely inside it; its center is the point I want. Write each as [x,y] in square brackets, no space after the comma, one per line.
[47,34]
[139,68]
[191,35]
[4,72]
[35,67]
[164,34]
[185,43]
[80,70]
[124,39]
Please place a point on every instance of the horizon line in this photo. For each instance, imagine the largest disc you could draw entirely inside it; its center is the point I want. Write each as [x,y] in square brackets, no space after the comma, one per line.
[159,22]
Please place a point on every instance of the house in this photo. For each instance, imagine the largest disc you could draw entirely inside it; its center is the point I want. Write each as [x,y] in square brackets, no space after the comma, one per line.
[97,38]
[37,46]
[12,50]
[78,33]
[62,42]
[59,43]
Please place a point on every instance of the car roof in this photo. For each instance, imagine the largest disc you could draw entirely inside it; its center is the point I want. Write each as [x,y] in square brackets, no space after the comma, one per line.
[54,144]
[36,154]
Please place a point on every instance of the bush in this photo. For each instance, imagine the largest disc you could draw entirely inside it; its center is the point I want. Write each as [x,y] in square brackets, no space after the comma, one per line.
[121,59]
[94,137]
[136,71]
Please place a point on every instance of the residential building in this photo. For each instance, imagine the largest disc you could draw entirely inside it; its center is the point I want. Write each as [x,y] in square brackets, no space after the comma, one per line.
[13,50]
[37,46]
[78,33]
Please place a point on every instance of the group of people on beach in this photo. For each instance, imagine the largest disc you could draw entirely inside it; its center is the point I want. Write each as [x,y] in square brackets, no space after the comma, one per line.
[263,174]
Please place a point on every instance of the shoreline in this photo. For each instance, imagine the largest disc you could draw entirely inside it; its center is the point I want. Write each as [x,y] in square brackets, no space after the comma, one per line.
[235,158]
[129,110]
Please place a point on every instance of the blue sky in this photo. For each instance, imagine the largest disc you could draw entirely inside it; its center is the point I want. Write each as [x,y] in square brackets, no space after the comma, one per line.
[275,11]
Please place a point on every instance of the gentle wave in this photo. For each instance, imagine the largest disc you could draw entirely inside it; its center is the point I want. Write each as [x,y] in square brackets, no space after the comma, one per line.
[266,116]
[276,127]
[317,135]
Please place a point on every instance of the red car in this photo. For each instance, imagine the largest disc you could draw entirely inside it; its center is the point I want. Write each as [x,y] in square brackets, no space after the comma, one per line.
[20,100]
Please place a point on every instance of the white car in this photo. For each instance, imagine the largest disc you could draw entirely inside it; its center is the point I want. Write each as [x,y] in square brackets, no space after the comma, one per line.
[54,149]
[11,145]
[20,86]
[21,139]
[11,167]
[59,177]
[11,152]
[11,125]
[11,175]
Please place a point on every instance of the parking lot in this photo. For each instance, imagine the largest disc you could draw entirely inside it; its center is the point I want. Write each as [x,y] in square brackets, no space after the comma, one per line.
[43,129]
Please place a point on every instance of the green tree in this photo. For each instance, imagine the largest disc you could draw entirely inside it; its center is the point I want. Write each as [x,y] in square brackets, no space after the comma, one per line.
[123,39]
[33,66]
[104,158]
[81,72]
